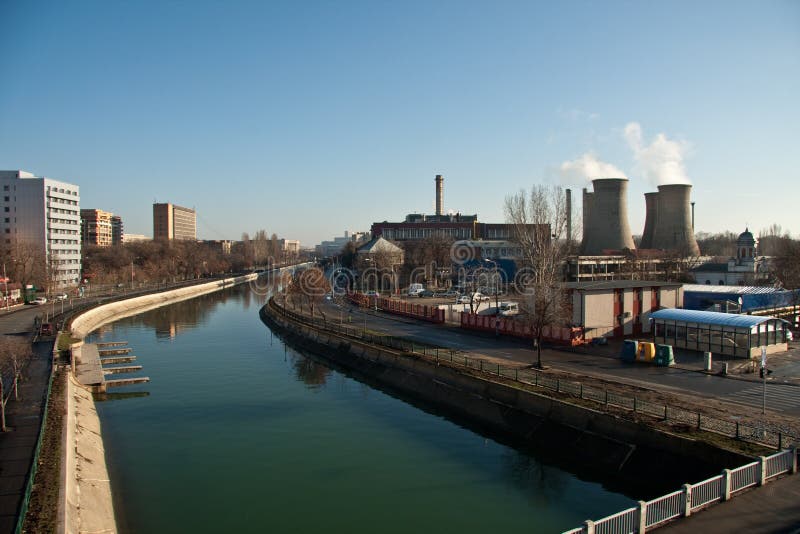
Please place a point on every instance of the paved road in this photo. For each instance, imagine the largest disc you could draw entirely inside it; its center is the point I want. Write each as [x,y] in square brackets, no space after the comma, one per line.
[592,361]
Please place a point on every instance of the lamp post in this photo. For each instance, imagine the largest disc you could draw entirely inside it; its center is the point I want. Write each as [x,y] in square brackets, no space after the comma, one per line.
[5,281]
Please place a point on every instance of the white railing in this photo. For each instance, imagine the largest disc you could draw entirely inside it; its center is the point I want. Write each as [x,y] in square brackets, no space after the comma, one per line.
[625,522]
[666,508]
[745,476]
[707,492]
[778,464]
[663,509]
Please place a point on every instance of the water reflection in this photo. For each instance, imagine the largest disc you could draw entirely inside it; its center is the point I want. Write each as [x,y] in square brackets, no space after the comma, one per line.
[310,372]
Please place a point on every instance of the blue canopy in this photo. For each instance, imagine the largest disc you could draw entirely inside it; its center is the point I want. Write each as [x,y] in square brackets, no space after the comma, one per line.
[707,317]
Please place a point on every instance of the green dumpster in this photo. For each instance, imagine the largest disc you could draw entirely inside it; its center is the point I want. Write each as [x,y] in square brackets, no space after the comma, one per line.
[630,347]
[664,357]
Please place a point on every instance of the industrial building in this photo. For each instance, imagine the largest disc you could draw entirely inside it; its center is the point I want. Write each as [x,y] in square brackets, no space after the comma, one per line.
[620,308]
[100,228]
[454,226]
[45,214]
[174,222]
[741,336]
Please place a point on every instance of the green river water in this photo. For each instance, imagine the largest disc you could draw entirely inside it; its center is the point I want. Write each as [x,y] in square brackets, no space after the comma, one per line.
[240,433]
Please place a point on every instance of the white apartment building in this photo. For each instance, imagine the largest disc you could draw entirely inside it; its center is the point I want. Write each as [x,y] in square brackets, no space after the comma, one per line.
[44,213]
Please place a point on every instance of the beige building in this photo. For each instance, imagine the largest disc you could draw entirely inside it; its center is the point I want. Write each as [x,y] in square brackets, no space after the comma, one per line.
[174,222]
[100,228]
[622,307]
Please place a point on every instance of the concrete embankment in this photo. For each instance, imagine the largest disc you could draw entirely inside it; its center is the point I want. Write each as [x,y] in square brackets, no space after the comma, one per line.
[617,450]
[87,500]
[93,319]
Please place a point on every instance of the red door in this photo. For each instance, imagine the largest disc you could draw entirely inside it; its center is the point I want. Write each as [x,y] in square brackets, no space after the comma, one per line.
[619,309]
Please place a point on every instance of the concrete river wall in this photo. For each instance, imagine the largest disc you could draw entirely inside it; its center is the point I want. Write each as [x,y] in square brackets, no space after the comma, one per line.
[87,504]
[614,449]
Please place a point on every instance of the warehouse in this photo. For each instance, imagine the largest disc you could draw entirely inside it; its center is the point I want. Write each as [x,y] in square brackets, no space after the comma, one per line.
[617,308]
[741,336]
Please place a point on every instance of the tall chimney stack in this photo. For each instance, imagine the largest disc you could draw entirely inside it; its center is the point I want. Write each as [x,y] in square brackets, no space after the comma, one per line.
[439,195]
[569,216]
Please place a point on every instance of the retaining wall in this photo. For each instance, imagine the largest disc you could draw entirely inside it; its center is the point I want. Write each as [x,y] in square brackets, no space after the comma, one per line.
[574,434]
[94,318]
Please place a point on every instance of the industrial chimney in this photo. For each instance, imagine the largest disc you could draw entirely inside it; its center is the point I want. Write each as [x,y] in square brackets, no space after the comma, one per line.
[673,228]
[650,220]
[587,216]
[569,216]
[439,195]
[606,226]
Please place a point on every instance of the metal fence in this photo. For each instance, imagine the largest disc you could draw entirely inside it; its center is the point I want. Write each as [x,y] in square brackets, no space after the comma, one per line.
[760,432]
[693,497]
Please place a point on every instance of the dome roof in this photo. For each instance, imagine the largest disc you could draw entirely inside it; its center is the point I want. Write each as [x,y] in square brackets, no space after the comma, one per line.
[746,239]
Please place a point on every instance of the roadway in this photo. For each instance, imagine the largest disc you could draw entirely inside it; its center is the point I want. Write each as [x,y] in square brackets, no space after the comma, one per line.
[686,378]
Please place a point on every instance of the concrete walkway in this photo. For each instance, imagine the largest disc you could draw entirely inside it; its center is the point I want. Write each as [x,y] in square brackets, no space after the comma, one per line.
[23,418]
[772,508]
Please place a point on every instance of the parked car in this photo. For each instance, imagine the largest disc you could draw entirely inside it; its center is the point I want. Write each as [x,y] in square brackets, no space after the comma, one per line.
[475,297]
[39,300]
[372,294]
[60,296]
[426,294]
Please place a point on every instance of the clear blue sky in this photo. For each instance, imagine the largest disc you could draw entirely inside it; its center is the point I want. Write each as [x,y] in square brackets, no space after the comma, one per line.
[308,118]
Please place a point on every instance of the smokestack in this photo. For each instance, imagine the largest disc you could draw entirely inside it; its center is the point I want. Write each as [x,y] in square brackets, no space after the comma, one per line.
[587,215]
[692,216]
[439,195]
[608,218]
[673,229]
[650,220]
[569,216]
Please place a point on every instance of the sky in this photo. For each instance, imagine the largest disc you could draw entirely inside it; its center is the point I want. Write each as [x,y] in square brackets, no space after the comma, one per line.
[310,118]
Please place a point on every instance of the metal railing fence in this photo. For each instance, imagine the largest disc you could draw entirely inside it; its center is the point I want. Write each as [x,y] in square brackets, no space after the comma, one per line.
[693,497]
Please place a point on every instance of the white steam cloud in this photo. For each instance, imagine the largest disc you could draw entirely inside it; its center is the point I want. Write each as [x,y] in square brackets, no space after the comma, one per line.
[587,167]
[661,161]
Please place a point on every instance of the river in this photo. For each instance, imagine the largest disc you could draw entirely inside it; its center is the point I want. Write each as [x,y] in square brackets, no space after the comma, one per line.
[236,432]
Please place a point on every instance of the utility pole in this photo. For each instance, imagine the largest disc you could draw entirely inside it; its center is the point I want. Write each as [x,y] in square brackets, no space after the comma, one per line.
[764,376]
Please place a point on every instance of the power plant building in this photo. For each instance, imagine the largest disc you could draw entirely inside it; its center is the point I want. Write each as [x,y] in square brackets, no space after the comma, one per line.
[174,222]
[457,227]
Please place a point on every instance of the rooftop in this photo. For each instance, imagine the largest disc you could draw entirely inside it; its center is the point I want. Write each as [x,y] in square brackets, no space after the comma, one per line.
[706,317]
[735,290]
[619,284]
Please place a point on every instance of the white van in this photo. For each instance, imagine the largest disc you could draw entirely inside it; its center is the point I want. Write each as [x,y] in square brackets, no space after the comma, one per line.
[415,289]
[508,309]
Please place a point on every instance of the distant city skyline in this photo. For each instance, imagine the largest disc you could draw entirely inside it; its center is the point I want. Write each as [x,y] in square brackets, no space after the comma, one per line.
[308,120]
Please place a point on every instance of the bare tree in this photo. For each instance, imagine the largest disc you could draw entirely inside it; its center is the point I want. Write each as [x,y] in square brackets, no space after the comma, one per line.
[309,286]
[539,222]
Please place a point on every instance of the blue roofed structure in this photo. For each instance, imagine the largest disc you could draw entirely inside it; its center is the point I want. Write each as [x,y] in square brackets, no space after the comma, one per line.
[727,298]
[720,333]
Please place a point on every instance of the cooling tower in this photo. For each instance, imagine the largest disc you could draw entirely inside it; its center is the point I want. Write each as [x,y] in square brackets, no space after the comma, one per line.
[606,226]
[673,228]
[439,195]
[650,220]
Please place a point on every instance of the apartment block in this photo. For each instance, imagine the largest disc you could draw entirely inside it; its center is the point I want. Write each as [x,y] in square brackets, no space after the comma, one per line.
[96,228]
[43,214]
[174,222]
